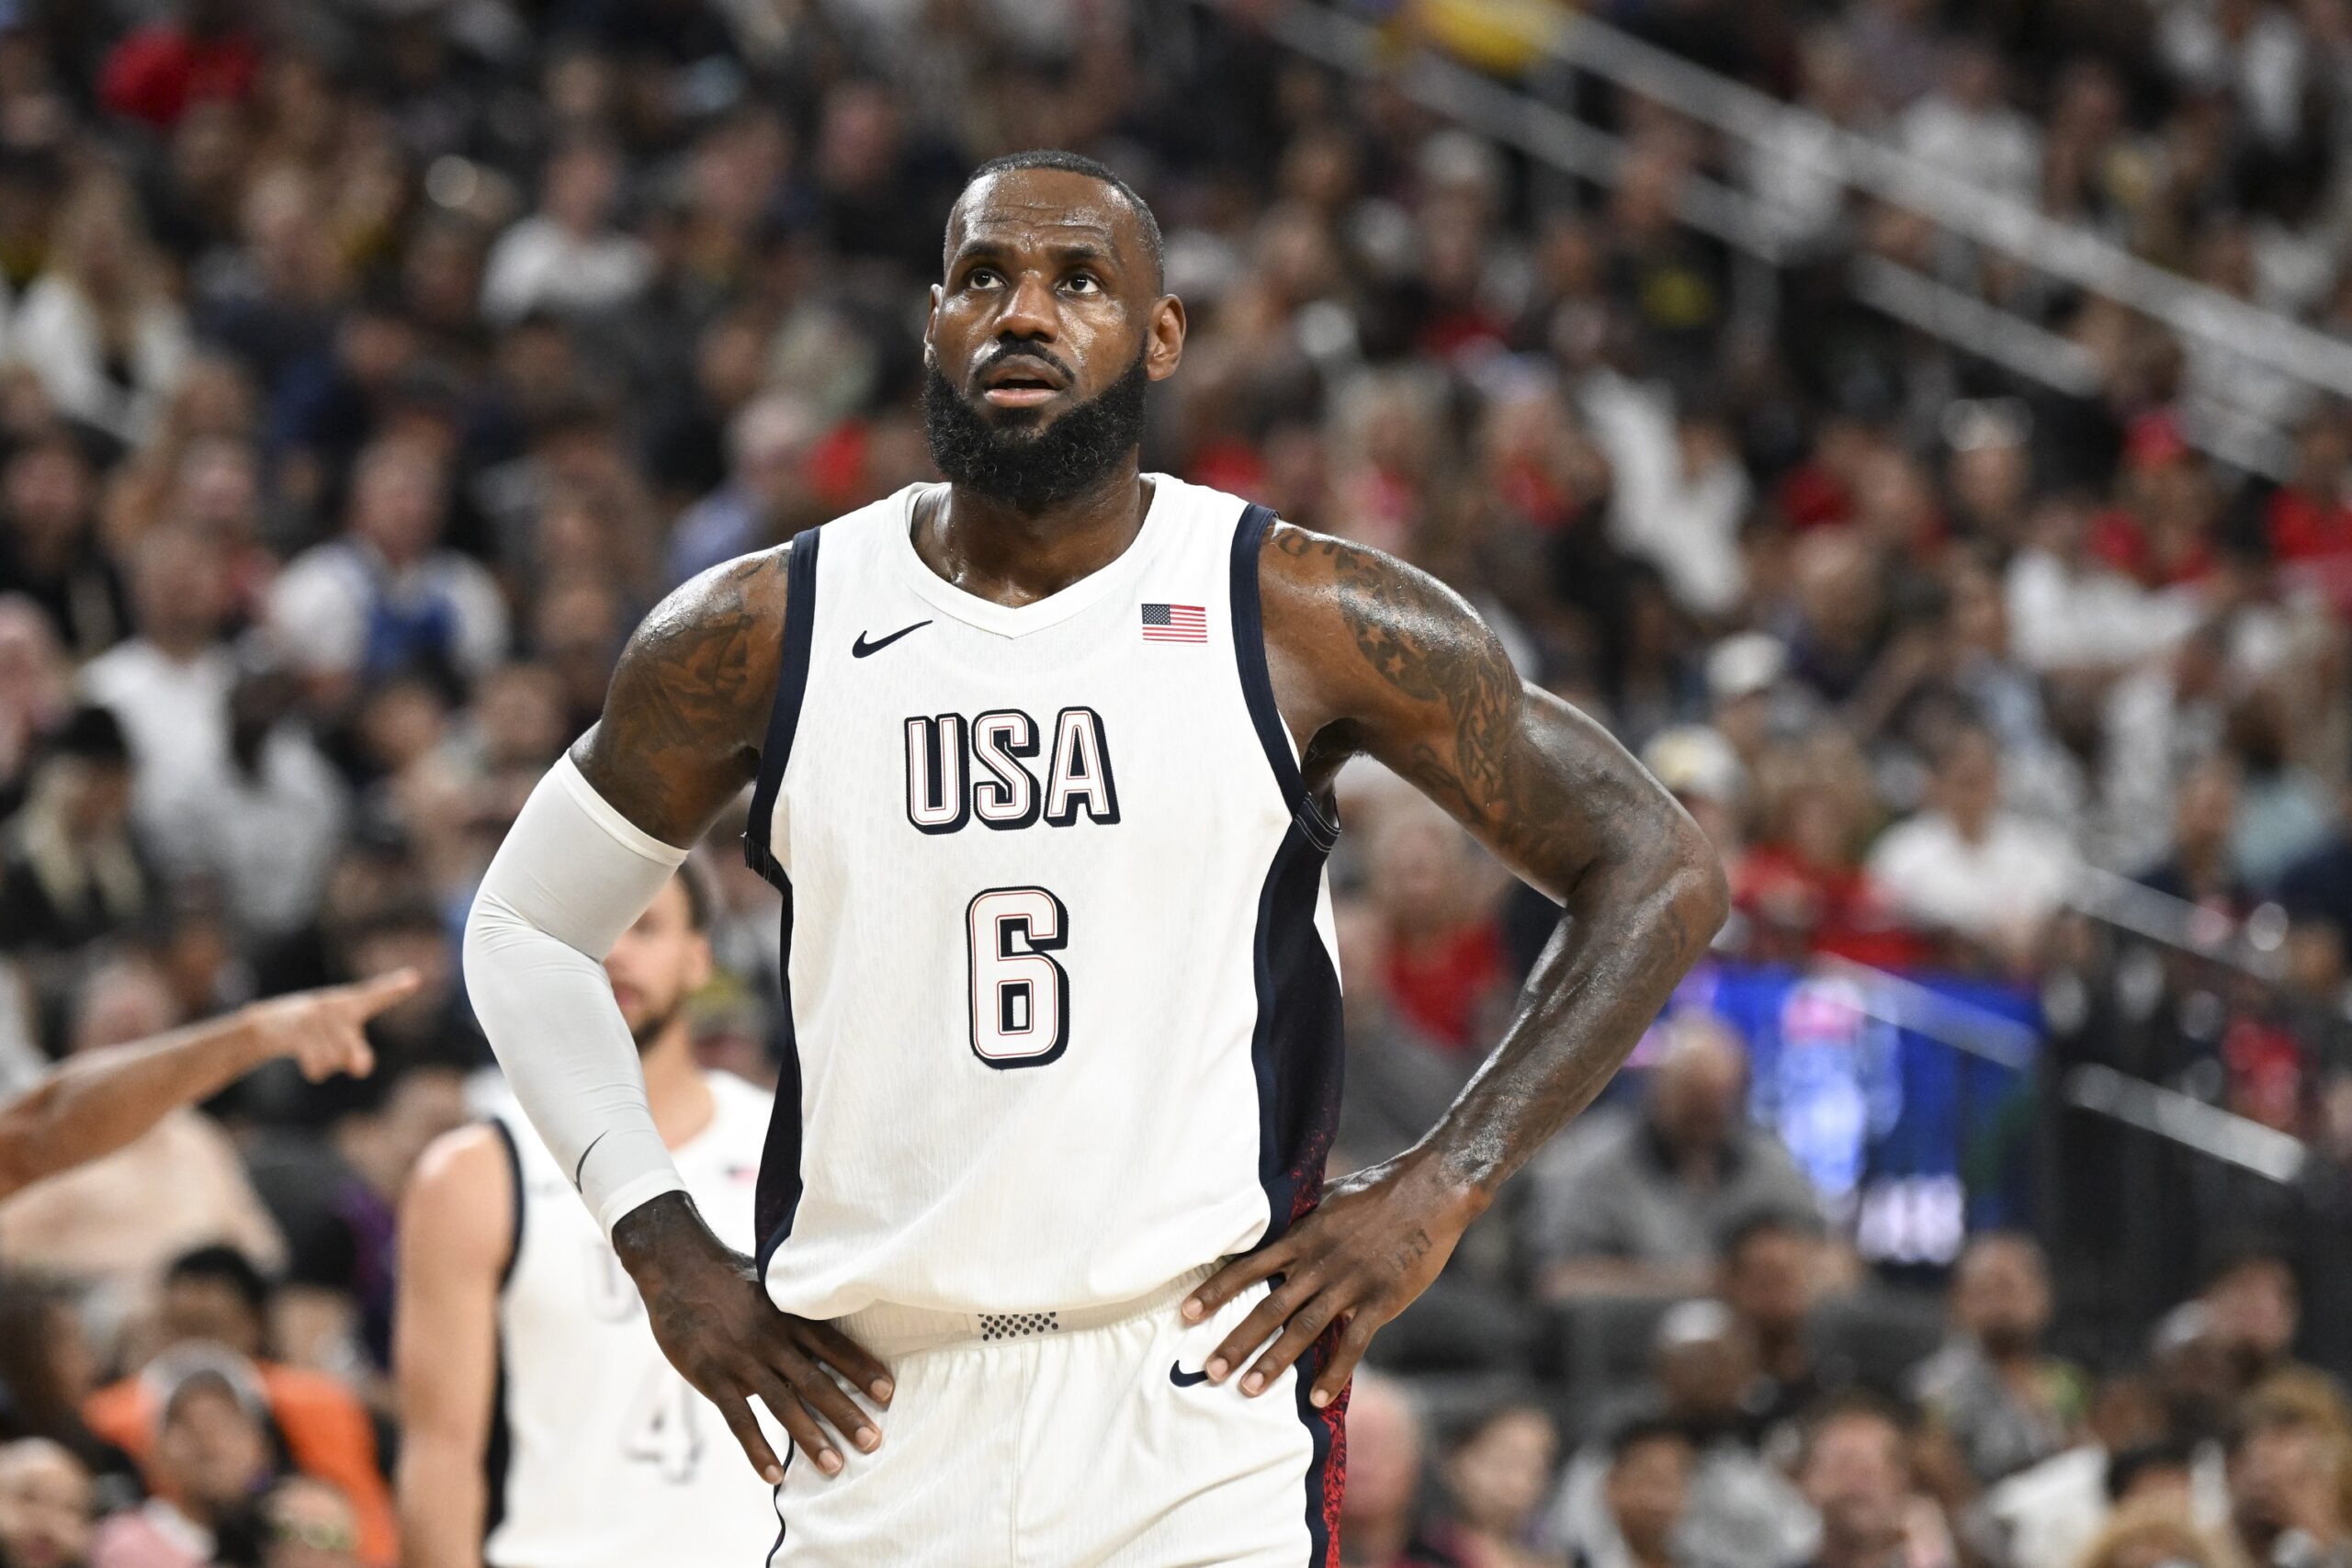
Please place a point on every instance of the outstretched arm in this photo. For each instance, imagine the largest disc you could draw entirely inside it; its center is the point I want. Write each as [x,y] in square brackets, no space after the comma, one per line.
[679,738]
[102,1100]
[1371,655]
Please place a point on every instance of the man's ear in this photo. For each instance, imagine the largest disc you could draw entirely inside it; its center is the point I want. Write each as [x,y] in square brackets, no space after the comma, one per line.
[1164,349]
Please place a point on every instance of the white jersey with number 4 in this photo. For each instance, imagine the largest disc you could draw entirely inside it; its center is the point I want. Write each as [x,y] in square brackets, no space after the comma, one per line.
[601,1455]
[1065,1012]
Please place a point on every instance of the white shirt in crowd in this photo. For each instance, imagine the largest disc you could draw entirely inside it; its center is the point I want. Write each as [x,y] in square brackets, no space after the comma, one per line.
[1682,519]
[320,605]
[2065,614]
[56,333]
[2015,875]
[1995,147]
[266,839]
[538,264]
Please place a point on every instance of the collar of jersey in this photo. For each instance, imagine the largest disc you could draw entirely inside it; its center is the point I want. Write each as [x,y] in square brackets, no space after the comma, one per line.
[1018,620]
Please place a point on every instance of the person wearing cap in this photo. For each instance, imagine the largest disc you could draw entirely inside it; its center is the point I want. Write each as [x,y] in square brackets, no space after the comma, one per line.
[1739,1508]
[216,1303]
[217,1453]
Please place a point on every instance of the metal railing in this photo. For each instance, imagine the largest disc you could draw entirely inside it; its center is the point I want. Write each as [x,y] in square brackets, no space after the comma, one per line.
[2241,436]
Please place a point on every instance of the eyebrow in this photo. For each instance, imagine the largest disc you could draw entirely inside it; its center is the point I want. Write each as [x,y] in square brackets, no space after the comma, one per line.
[979,246]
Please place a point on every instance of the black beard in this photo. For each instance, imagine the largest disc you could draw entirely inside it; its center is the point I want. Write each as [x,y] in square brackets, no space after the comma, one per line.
[1033,469]
[646,1033]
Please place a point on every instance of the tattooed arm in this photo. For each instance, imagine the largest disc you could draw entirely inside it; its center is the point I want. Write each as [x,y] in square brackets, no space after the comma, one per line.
[1370,655]
[679,736]
[689,705]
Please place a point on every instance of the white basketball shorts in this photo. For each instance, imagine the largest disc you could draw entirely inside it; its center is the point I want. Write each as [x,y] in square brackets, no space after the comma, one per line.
[1027,1439]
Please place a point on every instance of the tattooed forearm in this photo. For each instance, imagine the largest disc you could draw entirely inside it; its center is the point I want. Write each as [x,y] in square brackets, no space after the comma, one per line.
[684,716]
[1434,696]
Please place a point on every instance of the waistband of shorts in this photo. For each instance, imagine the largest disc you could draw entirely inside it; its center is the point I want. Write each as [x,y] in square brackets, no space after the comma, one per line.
[887,1329]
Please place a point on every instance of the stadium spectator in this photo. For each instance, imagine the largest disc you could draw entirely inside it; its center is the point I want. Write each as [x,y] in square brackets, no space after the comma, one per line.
[215,1303]
[2290,1465]
[215,1455]
[1773,1273]
[50,550]
[1632,1202]
[101,326]
[1739,1505]
[1992,1389]
[1856,1473]
[1380,1517]
[2157,1535]
[1647,1488]
[47,1505]
[2251,1301]
[568,256]
[1969,867]
[1495,1475]
[47,1365]
[389,599]
[72,873]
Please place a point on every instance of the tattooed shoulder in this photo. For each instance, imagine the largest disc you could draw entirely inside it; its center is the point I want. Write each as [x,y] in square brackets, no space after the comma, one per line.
[688,701]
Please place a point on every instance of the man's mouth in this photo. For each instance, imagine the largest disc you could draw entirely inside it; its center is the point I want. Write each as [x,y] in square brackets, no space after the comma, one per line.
[1021,382]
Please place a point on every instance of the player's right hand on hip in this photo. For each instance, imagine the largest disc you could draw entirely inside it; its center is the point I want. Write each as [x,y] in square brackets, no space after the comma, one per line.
[712,1317]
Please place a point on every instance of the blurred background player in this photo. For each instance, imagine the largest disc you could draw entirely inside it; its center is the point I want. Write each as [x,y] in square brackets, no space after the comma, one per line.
[541,1423]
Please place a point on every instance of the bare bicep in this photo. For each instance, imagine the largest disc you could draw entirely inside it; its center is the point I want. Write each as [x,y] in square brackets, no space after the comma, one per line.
[688,701]
[1390,663]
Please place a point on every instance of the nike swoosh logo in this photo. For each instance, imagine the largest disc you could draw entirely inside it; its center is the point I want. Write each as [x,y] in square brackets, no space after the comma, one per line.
[861,648]
[1182,1379]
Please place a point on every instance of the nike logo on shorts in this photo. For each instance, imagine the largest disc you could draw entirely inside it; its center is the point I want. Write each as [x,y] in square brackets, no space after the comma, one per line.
[861,648]
[1182,1379]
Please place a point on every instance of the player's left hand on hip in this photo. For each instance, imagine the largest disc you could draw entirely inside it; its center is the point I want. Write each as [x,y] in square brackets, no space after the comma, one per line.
[1374,1245]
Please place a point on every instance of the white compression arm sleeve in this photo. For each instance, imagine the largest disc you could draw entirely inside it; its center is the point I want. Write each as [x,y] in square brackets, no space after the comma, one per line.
[571,876]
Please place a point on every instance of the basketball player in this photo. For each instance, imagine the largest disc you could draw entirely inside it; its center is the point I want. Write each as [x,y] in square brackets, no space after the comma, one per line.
[1042,759]
[540,1427]
[101,1099]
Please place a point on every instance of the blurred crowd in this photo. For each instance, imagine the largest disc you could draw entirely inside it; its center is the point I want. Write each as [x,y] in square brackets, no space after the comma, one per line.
[367,369]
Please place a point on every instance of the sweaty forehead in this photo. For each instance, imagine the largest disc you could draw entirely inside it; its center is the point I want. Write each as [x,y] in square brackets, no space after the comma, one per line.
[1046,207]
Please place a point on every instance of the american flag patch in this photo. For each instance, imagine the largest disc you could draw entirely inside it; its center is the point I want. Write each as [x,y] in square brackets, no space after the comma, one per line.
[1175,623]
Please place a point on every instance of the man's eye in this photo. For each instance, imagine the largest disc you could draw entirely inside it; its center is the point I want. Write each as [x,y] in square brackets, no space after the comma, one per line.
[1081,284]
[982,277]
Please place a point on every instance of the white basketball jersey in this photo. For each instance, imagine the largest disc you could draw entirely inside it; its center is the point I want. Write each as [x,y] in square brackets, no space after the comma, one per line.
[601,1455]
[1059,954]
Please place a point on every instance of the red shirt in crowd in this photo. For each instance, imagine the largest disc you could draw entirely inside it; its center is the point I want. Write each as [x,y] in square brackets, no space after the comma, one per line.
[1799,908]
[157,73]
[1443,982]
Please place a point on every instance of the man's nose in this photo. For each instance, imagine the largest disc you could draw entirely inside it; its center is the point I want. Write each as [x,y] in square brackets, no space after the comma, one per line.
[1029,312]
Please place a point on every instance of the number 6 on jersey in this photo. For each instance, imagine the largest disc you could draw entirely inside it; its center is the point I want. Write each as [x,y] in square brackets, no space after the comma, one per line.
[1020,994]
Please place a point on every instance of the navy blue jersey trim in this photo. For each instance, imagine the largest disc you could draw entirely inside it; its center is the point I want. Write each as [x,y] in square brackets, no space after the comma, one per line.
[776,1497]
[1257,685]
[514,1200]
[498,1451]
[778,1197]
[784,717]
[1297,1048]
[1326,1468]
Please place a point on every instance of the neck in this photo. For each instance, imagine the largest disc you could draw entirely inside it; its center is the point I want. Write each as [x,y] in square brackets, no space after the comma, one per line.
[998,552]
[674,1086]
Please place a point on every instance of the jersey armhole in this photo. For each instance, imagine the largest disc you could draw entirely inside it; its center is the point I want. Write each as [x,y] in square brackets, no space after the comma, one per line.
[1318,821]
[784,717]
[513,1198]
